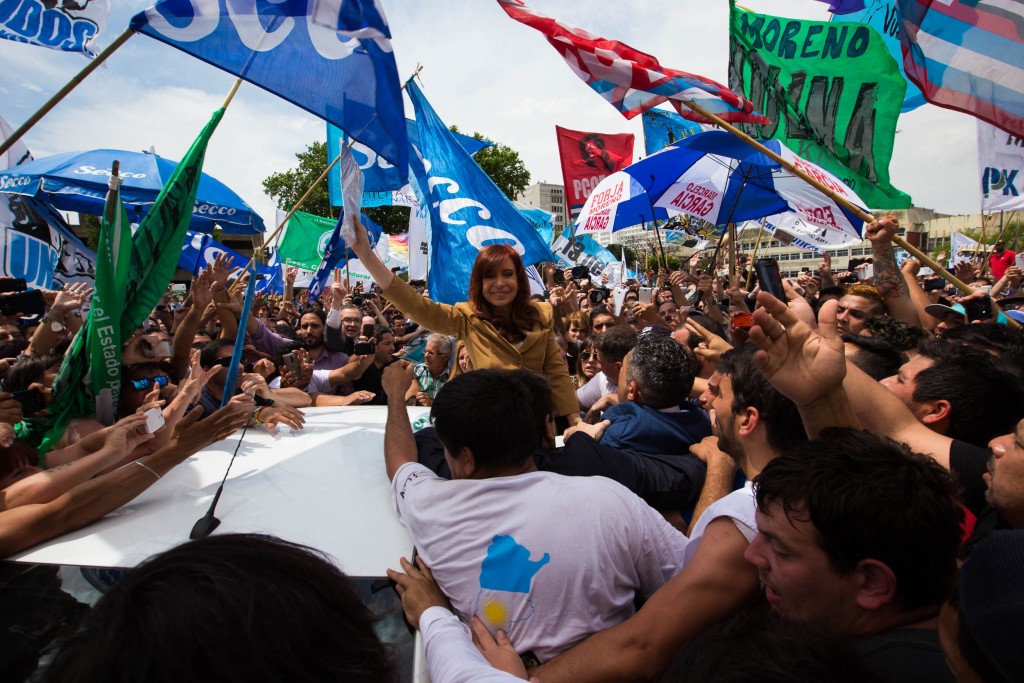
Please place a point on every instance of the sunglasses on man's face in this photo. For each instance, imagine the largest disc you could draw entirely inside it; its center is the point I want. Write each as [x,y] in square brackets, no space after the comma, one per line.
[223,362]
[147,382]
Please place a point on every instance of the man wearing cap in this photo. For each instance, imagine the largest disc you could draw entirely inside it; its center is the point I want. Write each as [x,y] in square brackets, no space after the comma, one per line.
[948,316]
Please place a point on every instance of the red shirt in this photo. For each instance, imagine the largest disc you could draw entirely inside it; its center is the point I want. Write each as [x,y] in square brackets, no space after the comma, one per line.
[998,263]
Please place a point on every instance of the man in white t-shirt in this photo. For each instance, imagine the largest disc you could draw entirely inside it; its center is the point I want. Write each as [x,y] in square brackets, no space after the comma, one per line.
[546,558]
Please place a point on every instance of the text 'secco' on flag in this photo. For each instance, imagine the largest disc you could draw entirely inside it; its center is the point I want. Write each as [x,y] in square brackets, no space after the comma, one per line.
[333,58]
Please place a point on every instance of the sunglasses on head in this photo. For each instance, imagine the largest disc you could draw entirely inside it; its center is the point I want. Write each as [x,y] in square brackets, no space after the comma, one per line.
[147,382]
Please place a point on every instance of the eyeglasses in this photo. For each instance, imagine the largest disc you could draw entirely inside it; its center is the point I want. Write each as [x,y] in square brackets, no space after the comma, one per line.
[147,382]
[223,362]
[586,355]
[352,321]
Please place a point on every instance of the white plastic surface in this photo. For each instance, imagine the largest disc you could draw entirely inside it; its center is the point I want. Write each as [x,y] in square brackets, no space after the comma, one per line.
[324,486]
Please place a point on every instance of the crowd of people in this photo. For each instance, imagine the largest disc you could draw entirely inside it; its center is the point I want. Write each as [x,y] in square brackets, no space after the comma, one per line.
[697,481]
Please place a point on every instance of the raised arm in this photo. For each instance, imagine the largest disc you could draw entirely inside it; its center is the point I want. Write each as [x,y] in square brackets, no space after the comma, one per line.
[806,366]
[888,278]
[399,443]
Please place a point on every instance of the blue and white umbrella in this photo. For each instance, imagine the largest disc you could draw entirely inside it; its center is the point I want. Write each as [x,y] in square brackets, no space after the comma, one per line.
[720,179]
[77,181]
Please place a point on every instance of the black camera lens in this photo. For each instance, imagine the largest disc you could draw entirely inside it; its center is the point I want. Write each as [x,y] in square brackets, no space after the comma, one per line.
[357,300]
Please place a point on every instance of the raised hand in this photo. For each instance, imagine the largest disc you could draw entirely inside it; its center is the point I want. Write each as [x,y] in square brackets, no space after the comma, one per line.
[802,364]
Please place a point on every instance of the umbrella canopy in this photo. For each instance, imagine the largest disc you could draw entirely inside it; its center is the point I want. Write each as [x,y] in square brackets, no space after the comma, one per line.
[720,179]
[77,181]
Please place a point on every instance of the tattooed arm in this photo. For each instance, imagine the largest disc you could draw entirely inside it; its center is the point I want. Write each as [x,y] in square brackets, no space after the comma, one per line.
[888,278]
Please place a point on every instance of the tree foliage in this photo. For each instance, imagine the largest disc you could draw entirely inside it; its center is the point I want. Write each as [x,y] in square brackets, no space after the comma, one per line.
[504,166]
[287,188]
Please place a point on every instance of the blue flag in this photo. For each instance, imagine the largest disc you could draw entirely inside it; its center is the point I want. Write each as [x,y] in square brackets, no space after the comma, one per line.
[541,220]
[884,17]
[336,255]
[380,177]
[466,210]
[333,58]
[200,250]
[663,128]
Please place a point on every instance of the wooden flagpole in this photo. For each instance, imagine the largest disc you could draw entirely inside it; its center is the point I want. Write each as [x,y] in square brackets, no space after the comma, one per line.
[63,92]
[757,248]
[839,199]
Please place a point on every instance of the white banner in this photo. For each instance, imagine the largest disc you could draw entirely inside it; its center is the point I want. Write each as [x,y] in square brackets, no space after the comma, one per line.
[66,26]
[1001,166]
[961,248]
[418,241]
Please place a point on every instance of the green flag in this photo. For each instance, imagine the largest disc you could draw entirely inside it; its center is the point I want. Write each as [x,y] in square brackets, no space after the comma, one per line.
[102,335]
[833,93]
[305,240]
[132,285]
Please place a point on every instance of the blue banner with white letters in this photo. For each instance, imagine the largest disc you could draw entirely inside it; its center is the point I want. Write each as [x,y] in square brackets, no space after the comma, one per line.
[200,250]
[67,26]
[466,210]
[333,58]
[382,182]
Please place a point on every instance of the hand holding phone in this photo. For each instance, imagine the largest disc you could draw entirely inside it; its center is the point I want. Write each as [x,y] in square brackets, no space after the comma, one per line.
[154,419]
[769,277]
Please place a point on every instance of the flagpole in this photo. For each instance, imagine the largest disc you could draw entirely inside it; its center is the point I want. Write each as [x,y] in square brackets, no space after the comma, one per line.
[63,92]
[732,253]
[757,248]
[323,175]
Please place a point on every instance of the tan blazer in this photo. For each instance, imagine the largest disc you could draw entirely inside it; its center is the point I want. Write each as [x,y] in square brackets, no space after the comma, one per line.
[487,348]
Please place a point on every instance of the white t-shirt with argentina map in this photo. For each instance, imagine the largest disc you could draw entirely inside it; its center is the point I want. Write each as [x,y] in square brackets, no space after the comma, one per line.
[550,559]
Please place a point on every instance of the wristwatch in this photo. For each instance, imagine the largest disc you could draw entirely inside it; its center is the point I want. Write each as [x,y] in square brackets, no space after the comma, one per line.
[55,325]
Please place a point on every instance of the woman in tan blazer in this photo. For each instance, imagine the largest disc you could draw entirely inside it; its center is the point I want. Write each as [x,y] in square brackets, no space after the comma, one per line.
[500,326]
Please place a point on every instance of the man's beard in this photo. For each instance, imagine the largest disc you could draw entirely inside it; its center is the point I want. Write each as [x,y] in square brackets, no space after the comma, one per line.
[727,441]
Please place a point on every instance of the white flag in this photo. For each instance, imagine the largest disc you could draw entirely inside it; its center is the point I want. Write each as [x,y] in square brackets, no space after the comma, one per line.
[56,24]
[1001,162]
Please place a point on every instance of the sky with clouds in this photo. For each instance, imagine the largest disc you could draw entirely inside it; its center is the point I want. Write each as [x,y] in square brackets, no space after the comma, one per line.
[481,71]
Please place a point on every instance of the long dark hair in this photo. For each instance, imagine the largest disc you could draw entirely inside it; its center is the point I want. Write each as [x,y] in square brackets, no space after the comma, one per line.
[523,317]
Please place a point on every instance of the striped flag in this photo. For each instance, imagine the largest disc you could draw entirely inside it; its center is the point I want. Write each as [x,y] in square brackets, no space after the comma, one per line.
[968,55]
[633,81]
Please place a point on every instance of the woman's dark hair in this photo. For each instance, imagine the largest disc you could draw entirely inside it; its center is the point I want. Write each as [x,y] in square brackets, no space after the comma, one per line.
[230,607]
[29,371]
[523,315]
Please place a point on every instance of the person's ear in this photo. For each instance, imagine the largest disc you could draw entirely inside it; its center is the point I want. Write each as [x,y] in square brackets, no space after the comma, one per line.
[749,420]
[633,391]
[466,462]
[877,584]
[938,411]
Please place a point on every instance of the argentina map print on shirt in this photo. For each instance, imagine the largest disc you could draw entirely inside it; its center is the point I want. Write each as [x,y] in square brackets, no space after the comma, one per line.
[505,578]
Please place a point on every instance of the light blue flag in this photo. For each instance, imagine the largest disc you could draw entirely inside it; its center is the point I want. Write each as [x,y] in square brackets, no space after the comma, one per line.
[582,251]
[336,255]
[333,58]
[662,128]
[380,178]
[466,210]
[884,17]
[541,220]
[199,250]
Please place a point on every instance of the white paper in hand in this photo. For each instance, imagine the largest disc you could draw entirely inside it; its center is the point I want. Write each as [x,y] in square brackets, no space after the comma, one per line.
[351,193]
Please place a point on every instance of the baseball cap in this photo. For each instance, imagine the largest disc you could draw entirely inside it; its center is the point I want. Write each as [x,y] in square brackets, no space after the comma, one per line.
[940,311]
